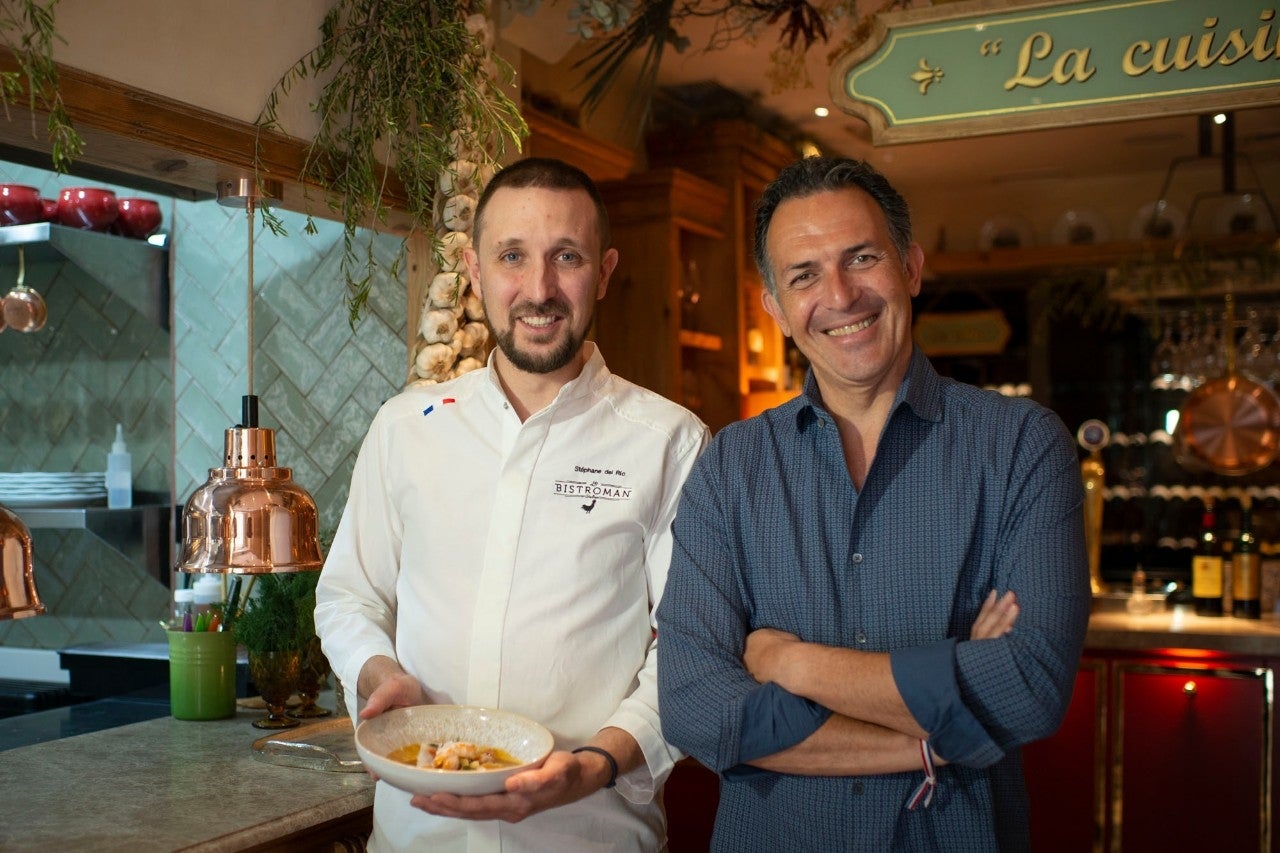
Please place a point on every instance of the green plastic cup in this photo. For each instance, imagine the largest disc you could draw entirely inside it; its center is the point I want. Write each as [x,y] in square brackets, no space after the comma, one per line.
[202,675]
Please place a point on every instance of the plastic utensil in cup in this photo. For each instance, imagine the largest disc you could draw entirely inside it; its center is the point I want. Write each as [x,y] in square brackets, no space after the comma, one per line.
[138,218]
[90,208]
[19,204]
[24,309]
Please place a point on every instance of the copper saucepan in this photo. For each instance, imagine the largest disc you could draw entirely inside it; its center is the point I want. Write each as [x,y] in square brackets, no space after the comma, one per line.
[1232,423]
[24,308]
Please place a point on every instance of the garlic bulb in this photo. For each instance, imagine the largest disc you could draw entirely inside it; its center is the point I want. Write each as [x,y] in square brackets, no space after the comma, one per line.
[467,365]
[446,290]
[458,212]
[452,245]
[459,179]
[435,361]
[473,306]
[437,325]
[474,337]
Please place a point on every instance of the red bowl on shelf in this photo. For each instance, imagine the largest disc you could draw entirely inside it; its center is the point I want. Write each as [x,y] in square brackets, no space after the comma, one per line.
[139,217]
[19,204]
[89,208]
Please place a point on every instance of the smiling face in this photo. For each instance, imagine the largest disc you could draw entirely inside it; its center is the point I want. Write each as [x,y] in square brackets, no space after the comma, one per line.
[843,292]
[539,268]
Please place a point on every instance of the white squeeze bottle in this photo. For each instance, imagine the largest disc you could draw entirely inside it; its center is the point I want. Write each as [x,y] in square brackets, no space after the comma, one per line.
[119,473]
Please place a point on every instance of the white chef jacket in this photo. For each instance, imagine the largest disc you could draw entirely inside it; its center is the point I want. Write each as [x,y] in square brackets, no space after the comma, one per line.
[526,559]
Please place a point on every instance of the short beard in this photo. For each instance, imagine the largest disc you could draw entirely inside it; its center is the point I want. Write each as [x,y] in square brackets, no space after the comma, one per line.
[528,362]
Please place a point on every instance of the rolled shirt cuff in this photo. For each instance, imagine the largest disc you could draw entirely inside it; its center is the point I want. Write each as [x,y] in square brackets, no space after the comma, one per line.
[926,679]
[773,720]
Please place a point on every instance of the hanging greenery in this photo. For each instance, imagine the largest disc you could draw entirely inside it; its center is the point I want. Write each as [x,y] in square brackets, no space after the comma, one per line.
[409,86]
[27,29]
[625,28]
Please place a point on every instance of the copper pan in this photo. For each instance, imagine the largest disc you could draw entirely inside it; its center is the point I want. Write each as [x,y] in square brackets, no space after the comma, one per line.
[1232,423]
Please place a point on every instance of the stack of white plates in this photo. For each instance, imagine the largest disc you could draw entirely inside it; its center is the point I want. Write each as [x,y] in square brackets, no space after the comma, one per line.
[52,489]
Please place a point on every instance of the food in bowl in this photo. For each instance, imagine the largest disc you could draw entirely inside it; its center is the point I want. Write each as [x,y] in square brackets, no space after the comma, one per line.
[454,755]
[385,741]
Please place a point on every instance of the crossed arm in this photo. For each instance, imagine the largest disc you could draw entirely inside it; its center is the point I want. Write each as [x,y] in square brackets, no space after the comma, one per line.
[871,729]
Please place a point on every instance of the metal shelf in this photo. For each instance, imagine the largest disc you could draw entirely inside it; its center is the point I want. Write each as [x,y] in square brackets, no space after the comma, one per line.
[141,534]
[135,270]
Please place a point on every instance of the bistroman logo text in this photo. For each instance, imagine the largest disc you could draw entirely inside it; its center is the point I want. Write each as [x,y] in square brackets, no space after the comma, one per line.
[594,488]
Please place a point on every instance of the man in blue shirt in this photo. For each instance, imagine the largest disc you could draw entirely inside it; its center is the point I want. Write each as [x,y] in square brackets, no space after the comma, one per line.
[831,639]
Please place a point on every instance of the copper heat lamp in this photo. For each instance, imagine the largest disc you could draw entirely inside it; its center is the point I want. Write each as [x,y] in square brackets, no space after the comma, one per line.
[18,596]
[250,517]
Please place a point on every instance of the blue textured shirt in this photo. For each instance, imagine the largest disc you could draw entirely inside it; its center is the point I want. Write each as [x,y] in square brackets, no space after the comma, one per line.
[969,491]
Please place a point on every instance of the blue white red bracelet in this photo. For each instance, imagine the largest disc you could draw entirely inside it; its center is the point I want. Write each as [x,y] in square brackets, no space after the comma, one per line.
[924,794]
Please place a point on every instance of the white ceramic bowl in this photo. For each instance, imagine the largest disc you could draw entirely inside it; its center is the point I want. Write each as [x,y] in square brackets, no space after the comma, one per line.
[528,741]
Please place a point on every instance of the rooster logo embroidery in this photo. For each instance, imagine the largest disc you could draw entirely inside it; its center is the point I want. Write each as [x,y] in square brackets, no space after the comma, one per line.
[588,507]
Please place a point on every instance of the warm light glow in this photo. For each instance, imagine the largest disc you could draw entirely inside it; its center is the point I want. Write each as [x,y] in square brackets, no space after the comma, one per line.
[810,149]
[1220,118]
[821,112]
[1170,421]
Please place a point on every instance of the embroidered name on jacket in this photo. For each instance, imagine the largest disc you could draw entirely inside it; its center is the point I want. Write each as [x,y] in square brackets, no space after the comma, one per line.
[594,488]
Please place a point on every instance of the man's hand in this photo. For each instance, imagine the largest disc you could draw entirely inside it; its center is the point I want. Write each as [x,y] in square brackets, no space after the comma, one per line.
[563,778]
[384,685]
[996,617]
[763,654]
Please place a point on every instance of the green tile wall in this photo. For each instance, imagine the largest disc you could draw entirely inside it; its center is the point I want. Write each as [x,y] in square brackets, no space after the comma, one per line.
[99,362]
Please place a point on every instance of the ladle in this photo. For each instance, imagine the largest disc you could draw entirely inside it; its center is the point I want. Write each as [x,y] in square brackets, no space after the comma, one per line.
[24,308]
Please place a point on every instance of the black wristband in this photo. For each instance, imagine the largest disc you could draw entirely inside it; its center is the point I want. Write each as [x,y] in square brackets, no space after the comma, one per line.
[613,763]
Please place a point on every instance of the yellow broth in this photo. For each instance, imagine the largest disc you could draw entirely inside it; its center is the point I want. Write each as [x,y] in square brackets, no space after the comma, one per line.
[408,754]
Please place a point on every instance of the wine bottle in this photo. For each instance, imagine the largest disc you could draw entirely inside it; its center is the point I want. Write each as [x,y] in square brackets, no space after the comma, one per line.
[1246,574]
[1206,568]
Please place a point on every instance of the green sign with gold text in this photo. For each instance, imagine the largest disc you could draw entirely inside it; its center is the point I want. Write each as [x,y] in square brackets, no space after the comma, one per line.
[989,67]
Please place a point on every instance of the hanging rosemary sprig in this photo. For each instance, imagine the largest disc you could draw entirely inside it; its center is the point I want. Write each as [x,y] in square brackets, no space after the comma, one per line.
[27,29]
[404,78]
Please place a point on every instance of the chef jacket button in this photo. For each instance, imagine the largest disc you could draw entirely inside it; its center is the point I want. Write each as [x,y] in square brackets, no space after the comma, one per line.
[857,558]
[856,788]
[862,637]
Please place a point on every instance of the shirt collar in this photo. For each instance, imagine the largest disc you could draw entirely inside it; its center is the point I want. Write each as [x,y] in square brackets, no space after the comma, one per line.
[921,391]
[594,374]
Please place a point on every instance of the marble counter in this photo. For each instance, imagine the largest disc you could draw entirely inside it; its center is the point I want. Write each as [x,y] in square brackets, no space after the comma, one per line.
[1181,628]
[166,784]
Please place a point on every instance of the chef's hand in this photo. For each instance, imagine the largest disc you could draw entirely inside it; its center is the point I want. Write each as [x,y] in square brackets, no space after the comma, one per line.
[563,778]
[384,685]
[762,656]
[996,617]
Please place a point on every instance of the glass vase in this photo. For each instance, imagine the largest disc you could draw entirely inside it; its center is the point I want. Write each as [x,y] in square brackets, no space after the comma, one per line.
[275,674]
[312,678]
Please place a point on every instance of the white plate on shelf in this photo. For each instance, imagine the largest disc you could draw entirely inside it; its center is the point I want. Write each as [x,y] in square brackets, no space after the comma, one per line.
[50,501]
[1080,227]
[1157,220]
[1005,231]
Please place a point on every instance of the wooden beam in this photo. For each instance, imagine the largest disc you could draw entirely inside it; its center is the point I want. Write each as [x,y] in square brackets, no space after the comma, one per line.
[162,141]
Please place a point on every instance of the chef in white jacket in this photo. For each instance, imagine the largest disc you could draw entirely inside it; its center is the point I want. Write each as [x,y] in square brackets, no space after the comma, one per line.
[506,539]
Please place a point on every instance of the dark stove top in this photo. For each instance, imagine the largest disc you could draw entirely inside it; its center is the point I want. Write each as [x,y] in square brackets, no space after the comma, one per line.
[22,697]
[78,719]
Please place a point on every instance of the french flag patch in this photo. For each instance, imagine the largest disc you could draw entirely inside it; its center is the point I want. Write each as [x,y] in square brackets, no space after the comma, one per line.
[444,402]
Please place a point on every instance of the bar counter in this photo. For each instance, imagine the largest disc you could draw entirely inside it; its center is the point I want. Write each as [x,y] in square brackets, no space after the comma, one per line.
[1181,628]
[167,784]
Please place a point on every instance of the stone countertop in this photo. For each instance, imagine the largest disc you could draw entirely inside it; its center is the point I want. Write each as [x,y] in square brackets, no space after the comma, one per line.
[1181,628]
[165,784]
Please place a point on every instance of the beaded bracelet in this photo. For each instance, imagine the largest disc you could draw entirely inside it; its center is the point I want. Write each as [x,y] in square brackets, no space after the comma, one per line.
[613,763]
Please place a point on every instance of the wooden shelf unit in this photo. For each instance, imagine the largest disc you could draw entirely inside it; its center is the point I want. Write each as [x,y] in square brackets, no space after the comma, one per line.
[666,227]
[741,159]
